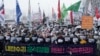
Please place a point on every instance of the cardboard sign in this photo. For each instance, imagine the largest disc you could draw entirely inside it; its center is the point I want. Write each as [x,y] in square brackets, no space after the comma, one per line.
[87,22]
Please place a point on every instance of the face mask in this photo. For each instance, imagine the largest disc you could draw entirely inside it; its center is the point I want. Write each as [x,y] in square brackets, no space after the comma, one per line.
[34,38]
[90,40]
[75,40]
[7,37]
[39,40]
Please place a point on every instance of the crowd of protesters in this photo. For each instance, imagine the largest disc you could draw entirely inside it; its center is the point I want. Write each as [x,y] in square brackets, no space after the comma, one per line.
[54,33]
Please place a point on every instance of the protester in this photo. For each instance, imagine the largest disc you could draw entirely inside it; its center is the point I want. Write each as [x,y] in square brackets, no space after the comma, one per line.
[42,34]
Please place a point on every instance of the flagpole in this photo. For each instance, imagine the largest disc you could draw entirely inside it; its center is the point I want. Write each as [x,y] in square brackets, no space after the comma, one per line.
[3,13]
[29,16]
[40,17]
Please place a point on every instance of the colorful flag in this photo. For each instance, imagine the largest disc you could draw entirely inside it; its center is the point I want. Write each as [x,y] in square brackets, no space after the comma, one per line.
[63,11]
[74,7]
[59,11]
[2,12]
[18,12]
[97,14]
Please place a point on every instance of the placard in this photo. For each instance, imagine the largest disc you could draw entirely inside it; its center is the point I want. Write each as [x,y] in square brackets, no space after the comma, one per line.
[87,22]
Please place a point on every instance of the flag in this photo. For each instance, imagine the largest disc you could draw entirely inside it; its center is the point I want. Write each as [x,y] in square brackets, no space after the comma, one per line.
[2,12]
[40,17]
[74,7]
[59,11]
[44,18]
[53,13]
[97,14]
[18,12]
[89,11]
[29,16]
[82,6]
[71,17]
[63,11]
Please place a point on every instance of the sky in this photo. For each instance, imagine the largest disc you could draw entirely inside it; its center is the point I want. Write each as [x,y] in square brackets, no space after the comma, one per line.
[45,5]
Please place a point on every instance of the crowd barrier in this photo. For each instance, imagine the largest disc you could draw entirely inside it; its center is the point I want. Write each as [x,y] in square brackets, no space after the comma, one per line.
[53,49]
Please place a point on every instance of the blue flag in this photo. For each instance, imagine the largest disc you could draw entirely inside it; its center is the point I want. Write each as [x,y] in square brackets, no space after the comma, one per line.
[18,12]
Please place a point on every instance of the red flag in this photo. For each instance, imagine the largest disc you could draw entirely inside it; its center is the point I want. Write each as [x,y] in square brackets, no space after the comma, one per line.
[3,11]
[59,12]
[71,17]
[97,13]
